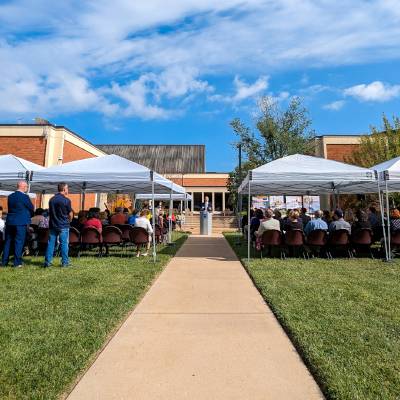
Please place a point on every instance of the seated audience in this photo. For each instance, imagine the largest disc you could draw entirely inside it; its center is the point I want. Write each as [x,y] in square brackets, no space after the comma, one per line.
[395,220]
[44,222]
[255,223]
[339,222]
[349,216]
[361,222]
[268,224]
[316,223]
[278,217]
[373,217]
[37,217]
[304,217]
[132,217]
[79,221]
[143,222]
[327,217]
[293,221]
[103,215]
[93,221]
[119,218]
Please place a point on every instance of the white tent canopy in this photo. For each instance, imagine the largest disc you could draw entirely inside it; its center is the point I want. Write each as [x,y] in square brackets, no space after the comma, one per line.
[104,174]
[164,196]
[389,171]
[299,174]
[6,193]
[14,169]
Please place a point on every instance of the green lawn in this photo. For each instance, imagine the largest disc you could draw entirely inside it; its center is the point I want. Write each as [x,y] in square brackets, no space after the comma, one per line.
[53,321]
[343,317]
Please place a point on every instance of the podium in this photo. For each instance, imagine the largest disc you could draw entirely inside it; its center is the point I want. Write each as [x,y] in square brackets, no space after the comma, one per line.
[205,222]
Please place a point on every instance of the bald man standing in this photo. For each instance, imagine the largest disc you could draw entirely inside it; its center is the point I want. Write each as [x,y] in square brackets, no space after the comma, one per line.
[20,211]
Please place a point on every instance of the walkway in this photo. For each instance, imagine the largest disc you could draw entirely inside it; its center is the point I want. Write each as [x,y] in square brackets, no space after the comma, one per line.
[201,332]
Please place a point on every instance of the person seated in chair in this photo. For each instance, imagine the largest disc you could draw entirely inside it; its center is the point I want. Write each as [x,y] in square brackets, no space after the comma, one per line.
[316,224]
[395,220]
[143,222]
[293,221]
[93,221]
[268,224]
[339,222]
[361,222]
[119,218]
[304,217]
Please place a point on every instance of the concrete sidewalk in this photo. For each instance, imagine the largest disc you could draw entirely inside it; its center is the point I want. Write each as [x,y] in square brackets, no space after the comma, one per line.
[201,332]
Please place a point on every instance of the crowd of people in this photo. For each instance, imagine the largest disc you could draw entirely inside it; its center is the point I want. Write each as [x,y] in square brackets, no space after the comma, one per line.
[19,225]
[298,219]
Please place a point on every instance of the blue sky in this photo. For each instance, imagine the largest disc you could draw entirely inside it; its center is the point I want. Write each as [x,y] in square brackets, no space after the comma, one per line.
[143,72]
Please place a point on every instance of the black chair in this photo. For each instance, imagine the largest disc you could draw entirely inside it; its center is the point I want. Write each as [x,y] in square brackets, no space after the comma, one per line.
[270,240]
[339,240]
[139,236]
[316,241]
[91,238]
[294,240]
[361,240]
[42,239]
[395,240]
[112,236]
[74,239]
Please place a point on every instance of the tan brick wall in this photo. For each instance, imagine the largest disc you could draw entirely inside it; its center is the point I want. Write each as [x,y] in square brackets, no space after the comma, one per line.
[339,152]
[30,148]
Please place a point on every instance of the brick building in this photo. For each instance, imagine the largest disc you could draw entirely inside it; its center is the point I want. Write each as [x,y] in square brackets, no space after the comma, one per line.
[47,145]
[336,147]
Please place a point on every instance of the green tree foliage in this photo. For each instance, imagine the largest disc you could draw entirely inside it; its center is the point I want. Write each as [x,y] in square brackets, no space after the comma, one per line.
[279,132]
[381,145]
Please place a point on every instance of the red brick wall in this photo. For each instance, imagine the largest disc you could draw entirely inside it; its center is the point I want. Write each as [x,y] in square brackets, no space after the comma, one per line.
[73,153]
[339,152]
[30,148]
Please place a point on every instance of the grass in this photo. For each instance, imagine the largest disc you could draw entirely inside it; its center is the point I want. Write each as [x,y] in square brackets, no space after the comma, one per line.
[343,316]
[54,321]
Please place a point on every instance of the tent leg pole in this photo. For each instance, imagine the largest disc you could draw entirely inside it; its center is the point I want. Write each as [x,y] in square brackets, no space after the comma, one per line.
[388,222]
[170,218]
[381,205]
[154,221]
[248,226]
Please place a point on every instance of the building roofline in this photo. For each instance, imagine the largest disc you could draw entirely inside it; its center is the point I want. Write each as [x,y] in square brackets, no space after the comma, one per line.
[56,127]
[341,135]
[156,144]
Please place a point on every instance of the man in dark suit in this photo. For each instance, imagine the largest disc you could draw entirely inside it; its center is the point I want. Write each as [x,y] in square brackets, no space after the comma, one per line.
[206,206]
[20,211]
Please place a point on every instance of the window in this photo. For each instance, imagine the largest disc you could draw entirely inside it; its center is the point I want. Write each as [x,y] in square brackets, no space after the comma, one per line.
[197,201]
[218,201]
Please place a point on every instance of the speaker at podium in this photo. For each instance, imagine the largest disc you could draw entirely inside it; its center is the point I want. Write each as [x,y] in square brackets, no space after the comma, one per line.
[206,217]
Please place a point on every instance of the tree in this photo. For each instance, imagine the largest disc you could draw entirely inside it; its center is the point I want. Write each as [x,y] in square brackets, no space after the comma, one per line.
[381,145]
[279,132]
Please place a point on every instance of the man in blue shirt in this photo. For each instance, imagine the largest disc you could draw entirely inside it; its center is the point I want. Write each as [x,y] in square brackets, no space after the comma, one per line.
[20,211]
[316,223]
[60,216]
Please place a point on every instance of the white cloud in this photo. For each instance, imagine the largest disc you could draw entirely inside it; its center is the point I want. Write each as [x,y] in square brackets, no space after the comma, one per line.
[83,54]
[243,90]
[335,105]
[375,91]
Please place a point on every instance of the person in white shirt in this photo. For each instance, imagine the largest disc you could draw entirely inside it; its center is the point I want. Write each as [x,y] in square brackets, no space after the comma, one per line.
[268,224]
[143,222]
